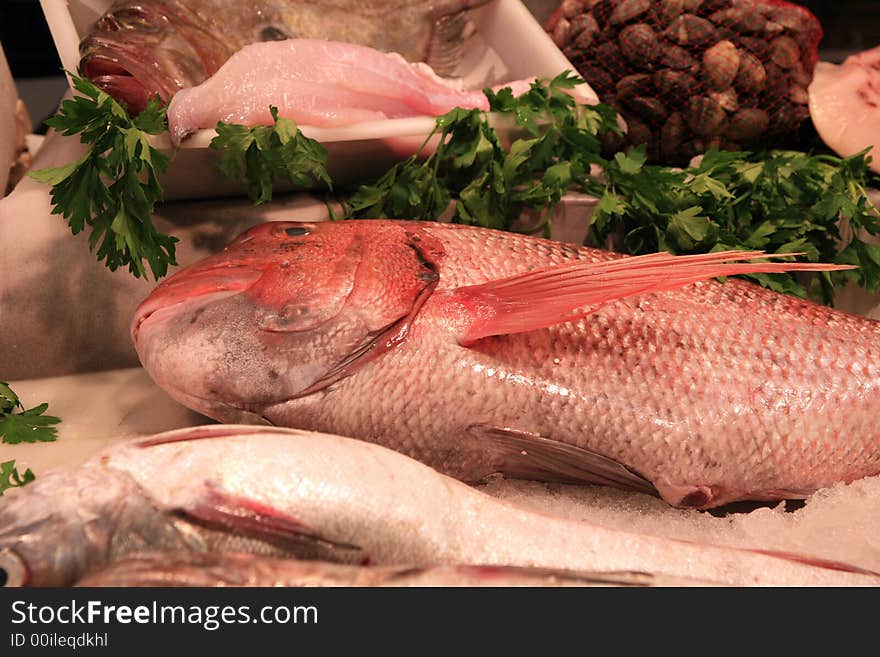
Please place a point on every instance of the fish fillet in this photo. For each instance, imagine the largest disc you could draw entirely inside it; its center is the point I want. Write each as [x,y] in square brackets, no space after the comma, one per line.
[845,105]
[318,83]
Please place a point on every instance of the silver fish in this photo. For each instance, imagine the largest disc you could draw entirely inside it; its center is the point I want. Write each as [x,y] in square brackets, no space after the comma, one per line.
[266,490]
[231,569]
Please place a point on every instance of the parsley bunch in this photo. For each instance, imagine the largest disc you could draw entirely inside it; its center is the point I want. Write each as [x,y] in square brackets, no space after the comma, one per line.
[113,188]
[18,425]
[779,202]
[490,184]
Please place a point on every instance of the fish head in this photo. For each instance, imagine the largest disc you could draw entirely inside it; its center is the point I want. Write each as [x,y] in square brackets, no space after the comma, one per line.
[139,50]
[35,535]
[285,310]
[68,522]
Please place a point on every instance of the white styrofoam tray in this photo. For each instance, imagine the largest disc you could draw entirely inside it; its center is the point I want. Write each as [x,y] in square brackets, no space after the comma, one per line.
[508,44]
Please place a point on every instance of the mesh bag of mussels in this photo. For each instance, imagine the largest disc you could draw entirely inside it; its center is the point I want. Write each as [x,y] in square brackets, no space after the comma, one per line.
[690,75]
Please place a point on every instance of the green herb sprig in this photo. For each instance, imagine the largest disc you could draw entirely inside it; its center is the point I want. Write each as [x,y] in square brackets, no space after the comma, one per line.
[18,425]
[258,156]
[113,188]
[489,184]
[10,477]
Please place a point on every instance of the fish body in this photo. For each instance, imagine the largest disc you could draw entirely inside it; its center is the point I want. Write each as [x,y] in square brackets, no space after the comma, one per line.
[845,105]
[318,83]
[481,352]
[281,492]
[141,48]
[235,569]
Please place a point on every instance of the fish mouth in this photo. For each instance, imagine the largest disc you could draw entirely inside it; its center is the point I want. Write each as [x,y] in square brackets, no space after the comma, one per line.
[201,287]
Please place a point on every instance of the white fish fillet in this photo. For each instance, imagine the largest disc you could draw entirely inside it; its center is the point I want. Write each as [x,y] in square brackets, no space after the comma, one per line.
[318,83]
[845,104]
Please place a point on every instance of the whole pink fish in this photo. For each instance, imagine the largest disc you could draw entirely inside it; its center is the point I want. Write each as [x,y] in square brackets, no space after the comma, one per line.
[319,83]
[481,352]
[281,492]
[143,48]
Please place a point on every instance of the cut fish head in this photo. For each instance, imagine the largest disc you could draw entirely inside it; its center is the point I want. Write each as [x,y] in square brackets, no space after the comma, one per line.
[68,522]
[145,48]
[284,311]
[140,50]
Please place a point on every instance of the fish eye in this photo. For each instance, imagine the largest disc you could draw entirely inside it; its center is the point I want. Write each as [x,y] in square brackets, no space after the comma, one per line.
[272,33]
[296,231]
[13,572]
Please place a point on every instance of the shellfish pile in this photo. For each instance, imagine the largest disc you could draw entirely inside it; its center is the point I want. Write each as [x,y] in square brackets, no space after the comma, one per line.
[690,75]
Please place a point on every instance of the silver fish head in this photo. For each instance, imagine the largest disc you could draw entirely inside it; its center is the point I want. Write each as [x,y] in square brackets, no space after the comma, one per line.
[47,531]
[71,521]
[284,311]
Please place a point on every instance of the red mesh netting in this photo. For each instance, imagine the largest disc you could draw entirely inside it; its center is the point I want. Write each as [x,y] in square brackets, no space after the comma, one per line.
[689,75]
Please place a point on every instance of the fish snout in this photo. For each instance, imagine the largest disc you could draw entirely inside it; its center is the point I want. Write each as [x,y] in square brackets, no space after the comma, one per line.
[194,286]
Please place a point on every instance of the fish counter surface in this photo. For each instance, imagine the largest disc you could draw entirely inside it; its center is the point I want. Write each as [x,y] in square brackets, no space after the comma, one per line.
[840,523]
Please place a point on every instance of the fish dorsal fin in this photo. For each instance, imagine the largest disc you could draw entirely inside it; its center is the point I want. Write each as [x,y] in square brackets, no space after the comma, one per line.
[568,291]
[525,455]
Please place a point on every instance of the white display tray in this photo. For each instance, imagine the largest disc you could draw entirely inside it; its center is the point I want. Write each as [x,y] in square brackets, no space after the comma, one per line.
[508,44]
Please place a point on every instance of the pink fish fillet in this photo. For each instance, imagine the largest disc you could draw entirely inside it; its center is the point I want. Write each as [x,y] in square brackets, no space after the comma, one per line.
[845,104]
[318,83]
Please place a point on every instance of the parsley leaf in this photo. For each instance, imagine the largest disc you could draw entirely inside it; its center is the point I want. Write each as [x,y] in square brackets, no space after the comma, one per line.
[113,188]
[10,478]
[24,426]
[258,156]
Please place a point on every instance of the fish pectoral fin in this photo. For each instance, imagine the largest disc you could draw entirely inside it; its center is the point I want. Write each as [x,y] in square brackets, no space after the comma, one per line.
[568,291]
[248,517]
[524,455]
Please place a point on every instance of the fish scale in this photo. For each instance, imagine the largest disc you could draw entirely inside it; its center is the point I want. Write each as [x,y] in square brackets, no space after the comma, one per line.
[710,393]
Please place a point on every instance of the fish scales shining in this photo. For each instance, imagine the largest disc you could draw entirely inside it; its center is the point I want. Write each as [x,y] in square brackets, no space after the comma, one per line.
[435,340]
